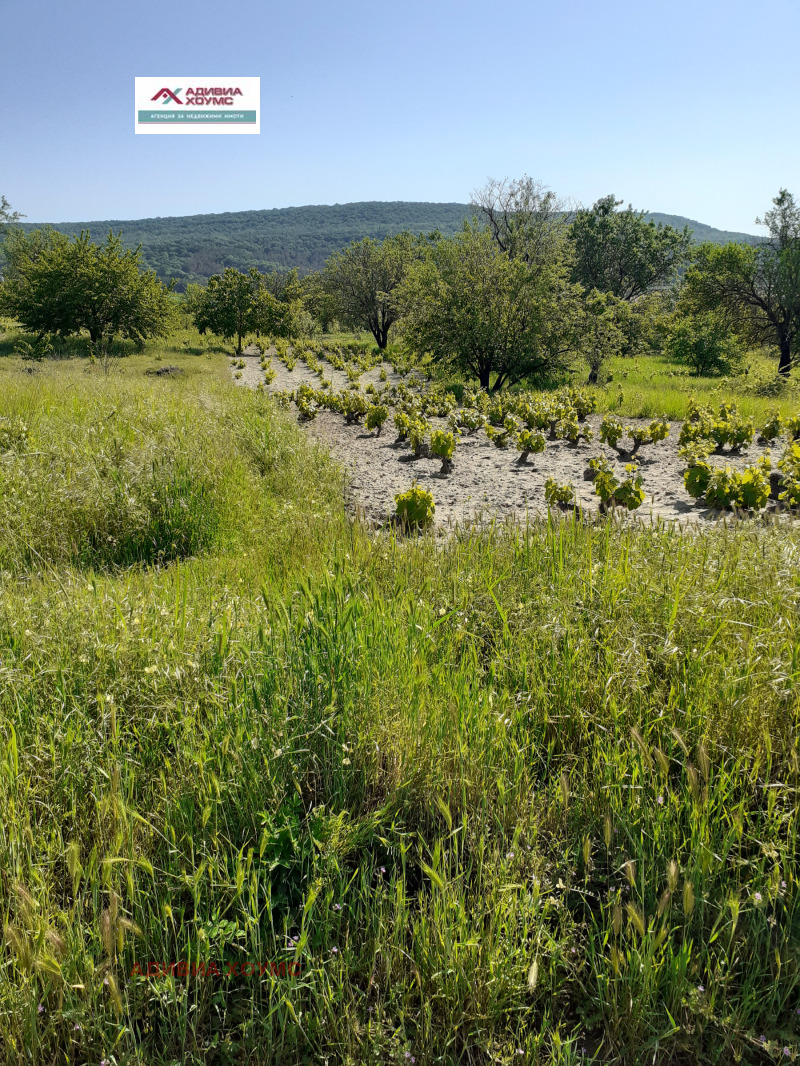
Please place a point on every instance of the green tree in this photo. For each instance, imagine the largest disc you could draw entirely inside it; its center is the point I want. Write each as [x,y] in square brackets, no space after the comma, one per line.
[7,216]
[526,220]
[234,304]
[361,281]
[621,253]
[756,287]
[604,330]
[487,313]
[56,285]
[704,342]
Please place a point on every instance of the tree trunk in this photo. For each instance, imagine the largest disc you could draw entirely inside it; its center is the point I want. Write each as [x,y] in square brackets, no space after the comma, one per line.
[381,337]
[239,347]
[785,362]
[484,376]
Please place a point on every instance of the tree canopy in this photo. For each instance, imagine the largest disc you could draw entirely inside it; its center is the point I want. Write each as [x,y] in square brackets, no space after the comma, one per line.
[361,280]
[473,305]
[757,287]
[234,304]
[56,285]
[622,253]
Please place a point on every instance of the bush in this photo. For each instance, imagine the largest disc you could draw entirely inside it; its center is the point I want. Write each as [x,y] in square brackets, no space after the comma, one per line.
[529,441]
[415,509]
[417,432]
[612,491]
[705,344]
[725,428]
[772,428]
[556,494]
[376,416]
[354,406]
[724,487]
[443,445]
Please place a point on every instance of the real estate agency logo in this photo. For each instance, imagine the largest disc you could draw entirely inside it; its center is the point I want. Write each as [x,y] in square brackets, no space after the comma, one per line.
[201,96]
[197,104]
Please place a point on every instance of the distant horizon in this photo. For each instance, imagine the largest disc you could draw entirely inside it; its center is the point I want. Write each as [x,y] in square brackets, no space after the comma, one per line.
[680,110]
[345,203]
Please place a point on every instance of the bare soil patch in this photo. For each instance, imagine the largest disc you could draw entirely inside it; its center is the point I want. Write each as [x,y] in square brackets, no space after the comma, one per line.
[487,482]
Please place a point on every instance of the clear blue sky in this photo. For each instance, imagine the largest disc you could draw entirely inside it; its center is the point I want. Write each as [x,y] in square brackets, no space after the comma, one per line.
[685,107]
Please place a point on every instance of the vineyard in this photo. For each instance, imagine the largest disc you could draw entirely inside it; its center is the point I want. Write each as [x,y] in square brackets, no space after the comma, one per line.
[517,453]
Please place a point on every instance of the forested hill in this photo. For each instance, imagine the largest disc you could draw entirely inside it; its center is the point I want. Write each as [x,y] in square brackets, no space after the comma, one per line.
[192,247]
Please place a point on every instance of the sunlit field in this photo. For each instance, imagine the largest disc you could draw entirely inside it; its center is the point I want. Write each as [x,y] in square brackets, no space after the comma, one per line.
[276,788]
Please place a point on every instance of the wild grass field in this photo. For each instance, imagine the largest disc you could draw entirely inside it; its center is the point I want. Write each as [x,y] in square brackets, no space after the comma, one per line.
[275,789]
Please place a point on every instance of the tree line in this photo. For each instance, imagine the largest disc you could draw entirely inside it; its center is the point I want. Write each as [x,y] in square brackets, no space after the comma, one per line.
[522,289]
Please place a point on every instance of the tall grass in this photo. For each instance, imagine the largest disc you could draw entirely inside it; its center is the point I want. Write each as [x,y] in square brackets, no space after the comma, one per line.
[513,796]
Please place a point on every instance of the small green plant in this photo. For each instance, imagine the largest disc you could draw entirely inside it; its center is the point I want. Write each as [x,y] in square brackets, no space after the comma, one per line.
[772,428]
[498,437]
[529,441]
[443,445]
[383,375]
[415,508]
[417,432]
[569,429]
[754,488]
[789,466]
[724,487]
[598,464]
[558,495]
[376,416]
[792,427]
[354,406]
[611,431]
[613,492]
[697,477]
[470,420]
[402,423]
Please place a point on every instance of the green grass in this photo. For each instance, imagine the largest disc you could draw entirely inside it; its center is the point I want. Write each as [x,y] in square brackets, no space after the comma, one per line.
[503,796]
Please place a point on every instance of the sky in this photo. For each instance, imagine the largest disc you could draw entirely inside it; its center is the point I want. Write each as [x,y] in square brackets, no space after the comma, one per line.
[689,107]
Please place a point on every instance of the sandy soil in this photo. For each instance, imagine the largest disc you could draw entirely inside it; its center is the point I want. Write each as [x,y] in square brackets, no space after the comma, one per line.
[486,482]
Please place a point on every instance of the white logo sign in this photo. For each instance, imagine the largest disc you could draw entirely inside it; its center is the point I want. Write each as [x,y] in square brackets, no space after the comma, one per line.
[197,105]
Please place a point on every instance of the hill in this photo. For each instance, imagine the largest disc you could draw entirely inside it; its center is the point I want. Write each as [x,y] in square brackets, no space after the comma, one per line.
[192,247]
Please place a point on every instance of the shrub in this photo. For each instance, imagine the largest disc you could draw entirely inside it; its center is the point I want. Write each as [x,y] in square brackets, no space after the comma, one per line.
[789,465]
[376,416]
[499,438]
[415,508]
[556,494]
[470,420]
[725,428]
[754,488]
[354,406]
[402,423]
[696,478]
[792,427]
[772,428]
[611,431]
[724,488]
[598,464]
[705,344]
[443,445]
[529,441]
[568,429]
[627,493]
[417,431]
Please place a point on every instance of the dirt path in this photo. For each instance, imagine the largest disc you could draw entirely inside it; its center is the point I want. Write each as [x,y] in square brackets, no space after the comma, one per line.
[486,481]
